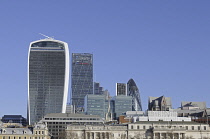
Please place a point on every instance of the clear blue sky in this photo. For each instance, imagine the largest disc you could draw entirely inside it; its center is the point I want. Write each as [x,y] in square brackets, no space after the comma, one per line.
[163,45]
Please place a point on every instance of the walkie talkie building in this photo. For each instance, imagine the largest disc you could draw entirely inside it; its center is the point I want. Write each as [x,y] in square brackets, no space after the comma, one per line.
[48,78]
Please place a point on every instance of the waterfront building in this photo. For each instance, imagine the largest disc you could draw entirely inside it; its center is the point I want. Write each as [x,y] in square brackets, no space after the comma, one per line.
[96,132]
[140,130]
[48,78]
[168,130]
[82,78]
[159,103]
[57,122]
[121,89]
[132,90]
[39,131]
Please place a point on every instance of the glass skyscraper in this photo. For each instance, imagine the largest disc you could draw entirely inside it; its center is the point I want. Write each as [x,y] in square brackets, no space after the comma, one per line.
[133,91]
[82,78]
[48,78]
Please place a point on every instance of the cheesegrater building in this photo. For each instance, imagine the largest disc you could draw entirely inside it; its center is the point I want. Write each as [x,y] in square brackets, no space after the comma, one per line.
[48,78]
[82,78]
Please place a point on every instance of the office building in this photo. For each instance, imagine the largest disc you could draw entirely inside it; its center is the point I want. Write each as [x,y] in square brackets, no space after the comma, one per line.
[48,78]
[132,90]
[96,105]
[98,90]
[82,78]
[121,89]
[120,105]
[57,122]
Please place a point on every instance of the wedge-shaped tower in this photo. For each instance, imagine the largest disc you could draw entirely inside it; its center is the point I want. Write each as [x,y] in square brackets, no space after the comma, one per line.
[48,78]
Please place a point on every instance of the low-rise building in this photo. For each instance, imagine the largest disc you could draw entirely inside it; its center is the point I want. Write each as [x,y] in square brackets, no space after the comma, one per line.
[57,122]
[160,116]
[96,132]
[39,131]
[140,130]
[19,119]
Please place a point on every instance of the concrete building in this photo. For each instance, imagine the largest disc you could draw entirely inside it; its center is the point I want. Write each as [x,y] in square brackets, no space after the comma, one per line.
[57,122]
[82,78]
[159,103]
[121,89]
[48,78]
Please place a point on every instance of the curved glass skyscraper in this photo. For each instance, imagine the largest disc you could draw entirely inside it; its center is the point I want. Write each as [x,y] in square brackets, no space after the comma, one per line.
[48,78]
[132,90]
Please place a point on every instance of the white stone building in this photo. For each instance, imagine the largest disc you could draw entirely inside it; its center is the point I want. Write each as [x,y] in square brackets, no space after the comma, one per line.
[141,130]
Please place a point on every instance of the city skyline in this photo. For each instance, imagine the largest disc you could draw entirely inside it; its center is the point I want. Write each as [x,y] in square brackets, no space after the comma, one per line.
[163,45]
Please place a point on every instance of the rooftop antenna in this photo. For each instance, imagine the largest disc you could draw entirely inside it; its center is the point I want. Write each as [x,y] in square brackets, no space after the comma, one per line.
[46,36]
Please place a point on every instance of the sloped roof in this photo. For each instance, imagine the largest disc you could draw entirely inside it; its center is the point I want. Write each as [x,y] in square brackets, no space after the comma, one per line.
[201,105]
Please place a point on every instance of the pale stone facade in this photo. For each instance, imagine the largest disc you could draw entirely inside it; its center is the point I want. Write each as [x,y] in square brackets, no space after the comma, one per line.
[96,132]
[40,131]
[140,130]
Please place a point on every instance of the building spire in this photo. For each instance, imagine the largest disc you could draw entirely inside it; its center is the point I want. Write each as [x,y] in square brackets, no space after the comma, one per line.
[47,37]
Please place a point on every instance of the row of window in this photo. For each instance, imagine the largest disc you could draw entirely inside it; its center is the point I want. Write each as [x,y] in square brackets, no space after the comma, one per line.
[39,133]
[186,127]
[70,119]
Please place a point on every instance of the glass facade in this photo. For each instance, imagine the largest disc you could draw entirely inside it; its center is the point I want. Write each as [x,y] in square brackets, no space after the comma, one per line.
[121,104]
[134,92]
[98,90]
[47,78]
[96,105]
[82,78]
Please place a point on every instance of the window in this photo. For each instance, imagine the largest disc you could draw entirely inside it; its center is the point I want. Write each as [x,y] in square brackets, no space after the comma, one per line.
[3,137]
[137,127]
[186,127]
[204,127]
[192,127]
[131,127]
[144,127]
[199,128]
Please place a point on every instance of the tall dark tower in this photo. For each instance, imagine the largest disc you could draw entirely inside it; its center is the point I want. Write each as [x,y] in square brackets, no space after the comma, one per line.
[81,78]
[48,78]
